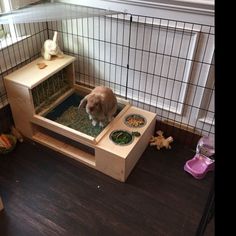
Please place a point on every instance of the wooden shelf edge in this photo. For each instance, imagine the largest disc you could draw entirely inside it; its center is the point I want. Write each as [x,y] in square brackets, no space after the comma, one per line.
[65,149]
[63,130]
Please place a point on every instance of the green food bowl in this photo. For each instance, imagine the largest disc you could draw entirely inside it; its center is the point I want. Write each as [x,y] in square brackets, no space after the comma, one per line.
[12,140]
[121,137]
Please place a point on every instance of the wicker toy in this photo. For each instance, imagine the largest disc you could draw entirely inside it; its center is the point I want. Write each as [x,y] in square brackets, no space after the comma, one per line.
[50,48]
[160,141]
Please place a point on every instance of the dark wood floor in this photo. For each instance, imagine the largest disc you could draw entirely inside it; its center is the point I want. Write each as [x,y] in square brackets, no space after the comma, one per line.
[47,194]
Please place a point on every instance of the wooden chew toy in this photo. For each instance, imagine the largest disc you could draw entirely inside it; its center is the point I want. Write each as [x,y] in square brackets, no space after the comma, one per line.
[160,141]
[41,65]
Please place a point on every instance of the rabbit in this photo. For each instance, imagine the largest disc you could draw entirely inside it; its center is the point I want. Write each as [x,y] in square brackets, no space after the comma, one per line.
[51,48]
[100,104]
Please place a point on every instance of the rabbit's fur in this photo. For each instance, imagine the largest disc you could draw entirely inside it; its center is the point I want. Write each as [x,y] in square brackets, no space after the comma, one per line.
[100,104]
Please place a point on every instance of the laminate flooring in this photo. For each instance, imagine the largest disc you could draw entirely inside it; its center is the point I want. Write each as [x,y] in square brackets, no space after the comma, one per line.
[46,193]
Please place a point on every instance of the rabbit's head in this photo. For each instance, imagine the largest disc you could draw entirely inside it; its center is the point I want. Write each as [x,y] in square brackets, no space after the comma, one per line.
[92,104]
[100,104]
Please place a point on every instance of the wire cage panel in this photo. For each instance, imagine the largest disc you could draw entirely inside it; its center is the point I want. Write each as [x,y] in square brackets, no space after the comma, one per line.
[19,48]
[101,47]
[29,47]
[178,69]
[48,91]
[160,65]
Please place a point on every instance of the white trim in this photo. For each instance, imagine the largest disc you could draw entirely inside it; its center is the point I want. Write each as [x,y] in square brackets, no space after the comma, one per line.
[185,12]
[6,5]
[178,109]
[13,37]
[192,6]
[207,120]
[197,6]
[187,72]
[10,41]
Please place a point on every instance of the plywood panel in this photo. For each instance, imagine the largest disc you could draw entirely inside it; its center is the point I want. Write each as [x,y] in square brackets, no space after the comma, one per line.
[21,106]
[110,164]
[63,130]
[30,75]
[141,145]
[118,161]
[65,149]
[123,151]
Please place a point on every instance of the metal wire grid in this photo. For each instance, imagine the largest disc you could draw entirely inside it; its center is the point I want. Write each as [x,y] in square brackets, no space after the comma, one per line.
[20,50]
[49,90]
[160,65]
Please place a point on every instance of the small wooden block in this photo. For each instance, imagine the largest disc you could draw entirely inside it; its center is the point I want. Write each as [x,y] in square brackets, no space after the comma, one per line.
[41,65]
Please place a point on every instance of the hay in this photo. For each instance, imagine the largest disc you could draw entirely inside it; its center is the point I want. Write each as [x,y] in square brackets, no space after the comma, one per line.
[78,119]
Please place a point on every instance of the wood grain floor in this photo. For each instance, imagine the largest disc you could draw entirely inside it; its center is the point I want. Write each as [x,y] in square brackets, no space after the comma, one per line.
[45,193]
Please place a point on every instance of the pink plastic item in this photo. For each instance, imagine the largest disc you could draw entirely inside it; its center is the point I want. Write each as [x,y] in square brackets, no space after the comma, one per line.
[203,161]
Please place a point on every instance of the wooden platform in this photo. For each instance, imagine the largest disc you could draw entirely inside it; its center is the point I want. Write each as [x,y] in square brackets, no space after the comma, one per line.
[37,76]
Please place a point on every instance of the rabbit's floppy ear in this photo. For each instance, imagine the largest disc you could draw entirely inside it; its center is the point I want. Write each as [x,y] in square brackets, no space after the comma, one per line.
[104,105]
[83,102]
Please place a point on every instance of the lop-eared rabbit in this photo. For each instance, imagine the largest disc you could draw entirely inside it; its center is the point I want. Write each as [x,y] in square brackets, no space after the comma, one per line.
[100,104]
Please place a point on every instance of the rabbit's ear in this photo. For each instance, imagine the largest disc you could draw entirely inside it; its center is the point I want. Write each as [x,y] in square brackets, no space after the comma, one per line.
[104,105]
[83,102]
[55,37]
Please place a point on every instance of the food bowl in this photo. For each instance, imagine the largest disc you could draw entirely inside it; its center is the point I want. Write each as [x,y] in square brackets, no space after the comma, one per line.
[12,139]
[135,120]
[121,137]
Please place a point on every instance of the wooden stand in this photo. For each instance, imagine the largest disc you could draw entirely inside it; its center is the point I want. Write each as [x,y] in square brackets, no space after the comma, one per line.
[112,159]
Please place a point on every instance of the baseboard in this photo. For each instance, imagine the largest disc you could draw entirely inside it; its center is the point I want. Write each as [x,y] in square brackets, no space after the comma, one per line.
[184,137]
